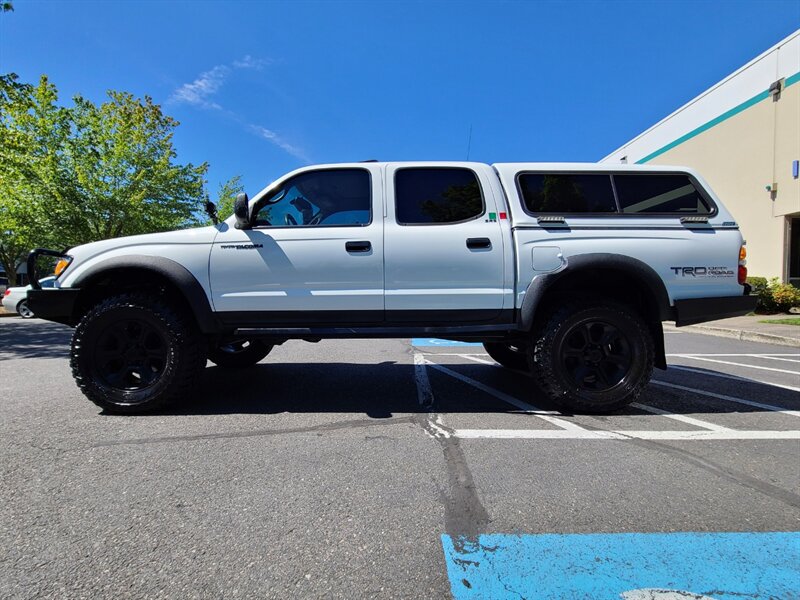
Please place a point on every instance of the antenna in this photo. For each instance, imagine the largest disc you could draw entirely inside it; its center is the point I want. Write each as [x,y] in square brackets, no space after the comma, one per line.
[469,140]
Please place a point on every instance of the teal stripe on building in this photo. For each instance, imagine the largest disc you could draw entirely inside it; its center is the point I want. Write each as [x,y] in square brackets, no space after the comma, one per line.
[716,121]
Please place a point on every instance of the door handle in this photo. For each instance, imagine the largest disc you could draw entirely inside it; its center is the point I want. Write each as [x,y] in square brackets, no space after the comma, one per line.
[477,243]
[358,246]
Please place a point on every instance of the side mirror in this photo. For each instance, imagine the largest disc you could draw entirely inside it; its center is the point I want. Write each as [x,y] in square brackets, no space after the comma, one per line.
[242,212]
[211,211]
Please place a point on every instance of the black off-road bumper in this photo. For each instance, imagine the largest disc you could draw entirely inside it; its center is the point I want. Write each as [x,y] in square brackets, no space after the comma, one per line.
[699,310]
[53,304]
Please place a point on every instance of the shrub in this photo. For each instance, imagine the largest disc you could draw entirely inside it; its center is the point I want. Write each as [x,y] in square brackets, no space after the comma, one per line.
[773,296]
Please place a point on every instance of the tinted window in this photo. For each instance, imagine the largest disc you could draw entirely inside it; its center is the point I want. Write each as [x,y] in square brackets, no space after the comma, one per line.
[567,193]
[437,196]
[659,194]
[329,197]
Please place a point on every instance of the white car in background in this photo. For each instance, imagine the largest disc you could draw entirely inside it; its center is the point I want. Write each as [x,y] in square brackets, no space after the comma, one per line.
[15,299]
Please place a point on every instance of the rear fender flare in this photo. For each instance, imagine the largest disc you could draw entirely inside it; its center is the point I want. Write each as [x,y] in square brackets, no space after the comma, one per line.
[640,271]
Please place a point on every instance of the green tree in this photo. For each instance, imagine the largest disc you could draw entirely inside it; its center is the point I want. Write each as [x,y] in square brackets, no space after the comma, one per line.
[125,178]
[227,195]
[33,130]
[88,172]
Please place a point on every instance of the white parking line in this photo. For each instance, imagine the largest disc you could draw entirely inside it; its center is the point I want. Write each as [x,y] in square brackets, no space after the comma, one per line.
[739,354]
[734,377]
[424,391]
[748,355]
[491,363]
[560,434]
[528,408]
[791,360]
[570,431]
[735,364]
[771,407]
[683,418]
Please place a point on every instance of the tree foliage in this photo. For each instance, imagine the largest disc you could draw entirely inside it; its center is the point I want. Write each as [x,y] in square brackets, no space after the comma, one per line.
[71,175]
[227,195]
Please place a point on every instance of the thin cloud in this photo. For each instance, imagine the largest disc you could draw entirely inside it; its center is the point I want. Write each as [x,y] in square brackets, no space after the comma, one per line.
[276,139]
[199,93]
[248,62]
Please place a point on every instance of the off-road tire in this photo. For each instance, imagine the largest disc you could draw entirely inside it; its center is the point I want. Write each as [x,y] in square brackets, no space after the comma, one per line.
[512,356]
[592,356]
[238,354]
[135,353]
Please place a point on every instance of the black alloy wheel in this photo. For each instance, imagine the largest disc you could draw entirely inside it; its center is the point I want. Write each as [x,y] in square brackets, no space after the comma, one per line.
[130,354]
[510,355]
[592,356]
[237,354]
[595,355]
[136,352]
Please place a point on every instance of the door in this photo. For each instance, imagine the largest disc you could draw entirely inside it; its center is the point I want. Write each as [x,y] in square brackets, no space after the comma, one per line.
[313,256]
[443,245]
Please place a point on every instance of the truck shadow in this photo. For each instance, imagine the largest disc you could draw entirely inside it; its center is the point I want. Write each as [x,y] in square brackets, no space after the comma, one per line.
[386,389]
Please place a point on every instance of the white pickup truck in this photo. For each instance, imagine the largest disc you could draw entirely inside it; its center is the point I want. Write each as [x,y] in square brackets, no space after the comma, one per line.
[566,270]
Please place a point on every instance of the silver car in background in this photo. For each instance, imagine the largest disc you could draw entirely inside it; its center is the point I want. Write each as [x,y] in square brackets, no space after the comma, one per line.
[15,299]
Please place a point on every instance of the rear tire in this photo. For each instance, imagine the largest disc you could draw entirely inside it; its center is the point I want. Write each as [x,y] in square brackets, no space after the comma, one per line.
[512,356]
[136,353]
[592,357]
[23,310]
[239,353]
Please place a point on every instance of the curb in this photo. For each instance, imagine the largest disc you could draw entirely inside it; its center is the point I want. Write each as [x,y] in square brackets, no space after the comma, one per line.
[739,334]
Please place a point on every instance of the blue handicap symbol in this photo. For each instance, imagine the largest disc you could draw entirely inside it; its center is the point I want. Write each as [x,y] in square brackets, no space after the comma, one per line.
[423,342]
[625,566]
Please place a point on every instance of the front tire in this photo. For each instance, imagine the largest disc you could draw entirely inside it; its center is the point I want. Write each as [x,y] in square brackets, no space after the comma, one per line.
[238,353]
[135,353]
[23,310]
[593,358]
[511,356]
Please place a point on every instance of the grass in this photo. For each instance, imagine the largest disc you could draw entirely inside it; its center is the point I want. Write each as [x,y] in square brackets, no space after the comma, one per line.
[792,321]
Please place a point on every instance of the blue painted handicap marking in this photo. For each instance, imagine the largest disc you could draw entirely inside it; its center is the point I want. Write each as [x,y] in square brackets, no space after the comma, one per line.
[437,342]
[625,566]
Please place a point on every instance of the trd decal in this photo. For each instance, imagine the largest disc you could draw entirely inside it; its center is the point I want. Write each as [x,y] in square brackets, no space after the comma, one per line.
[703,271]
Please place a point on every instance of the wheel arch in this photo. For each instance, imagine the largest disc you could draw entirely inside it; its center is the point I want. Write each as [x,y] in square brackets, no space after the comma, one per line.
[622,278]
[125,273]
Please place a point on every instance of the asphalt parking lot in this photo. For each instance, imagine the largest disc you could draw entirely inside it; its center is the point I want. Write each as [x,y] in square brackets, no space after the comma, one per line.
[402,468]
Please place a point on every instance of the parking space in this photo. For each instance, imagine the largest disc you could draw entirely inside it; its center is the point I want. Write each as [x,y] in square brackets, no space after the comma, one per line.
[684,403]
[402,468]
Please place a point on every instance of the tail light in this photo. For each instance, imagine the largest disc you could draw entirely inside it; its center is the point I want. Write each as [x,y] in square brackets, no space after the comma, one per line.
[742,276]
[7,292]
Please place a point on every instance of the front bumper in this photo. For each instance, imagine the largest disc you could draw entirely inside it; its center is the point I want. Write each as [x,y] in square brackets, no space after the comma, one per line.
[699,310]
[53,304]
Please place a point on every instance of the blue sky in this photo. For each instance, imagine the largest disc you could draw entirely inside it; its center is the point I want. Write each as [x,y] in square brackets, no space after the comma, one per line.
[261,88]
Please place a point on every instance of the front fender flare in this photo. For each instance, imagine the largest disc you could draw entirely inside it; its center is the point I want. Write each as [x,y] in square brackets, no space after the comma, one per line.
[174,272]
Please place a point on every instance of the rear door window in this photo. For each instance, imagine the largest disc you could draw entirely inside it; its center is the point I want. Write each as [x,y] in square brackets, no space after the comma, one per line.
[437,195]
[567,193]
[660,194]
